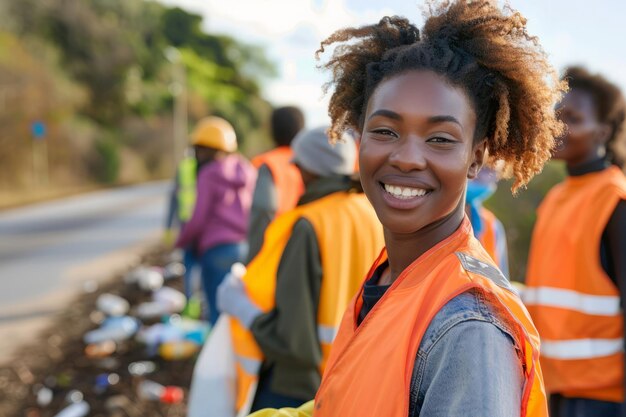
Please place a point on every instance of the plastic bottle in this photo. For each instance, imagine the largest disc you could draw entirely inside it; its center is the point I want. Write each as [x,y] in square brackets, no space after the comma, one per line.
[154,391]
[117,330]
[159,333]
[100,350]
[112,305]
[141,368]
[151,310]
[150,279]
[177,350]
[173,270]
[150,390]
[44,395]
[104,381]
[173,299]
[79,409]
[194,330]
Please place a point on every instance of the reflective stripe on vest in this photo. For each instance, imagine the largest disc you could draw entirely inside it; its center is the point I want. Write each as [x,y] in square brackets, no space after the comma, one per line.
[286,176]
[390,335]
[186,195]
[326,334]
[597,305]
[349,236]
[575,305]
[581,348]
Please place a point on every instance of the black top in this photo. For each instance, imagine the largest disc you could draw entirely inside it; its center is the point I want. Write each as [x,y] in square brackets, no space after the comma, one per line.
[372,292]
[613,242]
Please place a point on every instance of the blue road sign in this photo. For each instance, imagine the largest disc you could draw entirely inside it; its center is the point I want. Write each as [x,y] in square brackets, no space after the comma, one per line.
[38,130]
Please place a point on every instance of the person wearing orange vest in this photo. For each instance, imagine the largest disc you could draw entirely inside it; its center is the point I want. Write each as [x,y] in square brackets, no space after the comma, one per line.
[279,184]
[576,276]
[436,329]
[487,228]
[289,304]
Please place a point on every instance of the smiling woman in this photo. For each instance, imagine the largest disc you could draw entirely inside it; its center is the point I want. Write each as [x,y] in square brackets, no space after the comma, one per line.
[437,330]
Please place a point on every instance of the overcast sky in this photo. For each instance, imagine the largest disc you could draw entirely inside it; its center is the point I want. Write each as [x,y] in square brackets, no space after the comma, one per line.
[592,33]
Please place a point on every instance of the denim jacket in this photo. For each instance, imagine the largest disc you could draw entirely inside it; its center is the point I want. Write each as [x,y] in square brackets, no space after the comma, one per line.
[467,364]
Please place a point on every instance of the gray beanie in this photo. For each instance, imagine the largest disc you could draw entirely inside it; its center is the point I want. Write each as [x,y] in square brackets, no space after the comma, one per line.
[313,152]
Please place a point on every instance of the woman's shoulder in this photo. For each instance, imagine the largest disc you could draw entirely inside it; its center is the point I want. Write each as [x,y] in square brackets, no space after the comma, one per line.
[469,309]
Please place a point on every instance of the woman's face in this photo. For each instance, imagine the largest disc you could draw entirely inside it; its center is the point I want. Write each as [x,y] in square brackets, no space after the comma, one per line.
[417,150]
[585,136]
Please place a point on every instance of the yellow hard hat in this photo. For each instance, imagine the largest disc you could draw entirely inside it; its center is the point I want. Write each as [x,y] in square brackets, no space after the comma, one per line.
[215,132]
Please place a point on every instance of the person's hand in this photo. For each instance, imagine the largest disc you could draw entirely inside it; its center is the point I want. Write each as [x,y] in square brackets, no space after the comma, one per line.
[232,299]
[168,238]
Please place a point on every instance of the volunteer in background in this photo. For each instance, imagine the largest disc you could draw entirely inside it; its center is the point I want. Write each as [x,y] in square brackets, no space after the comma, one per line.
[576,277]
[278,185]
[218,226]
[181,204]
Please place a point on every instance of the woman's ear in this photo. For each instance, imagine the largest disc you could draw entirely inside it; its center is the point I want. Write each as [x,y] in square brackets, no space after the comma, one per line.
[603,133]
[478,156]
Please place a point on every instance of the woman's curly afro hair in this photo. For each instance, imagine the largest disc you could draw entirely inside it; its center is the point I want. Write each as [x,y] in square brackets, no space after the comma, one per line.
[477,46]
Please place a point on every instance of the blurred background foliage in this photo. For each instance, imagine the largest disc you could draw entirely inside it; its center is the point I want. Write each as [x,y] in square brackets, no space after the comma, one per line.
[96,73]
[518,214]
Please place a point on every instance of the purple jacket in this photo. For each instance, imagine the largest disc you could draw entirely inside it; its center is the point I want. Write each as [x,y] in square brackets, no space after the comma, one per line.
[223,202]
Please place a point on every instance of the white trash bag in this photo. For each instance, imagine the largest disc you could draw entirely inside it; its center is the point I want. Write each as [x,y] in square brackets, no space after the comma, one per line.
[213,391]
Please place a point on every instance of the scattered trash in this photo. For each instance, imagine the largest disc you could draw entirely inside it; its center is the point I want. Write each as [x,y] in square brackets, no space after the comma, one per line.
[141,368]
[173,299]
[166,301]
[178,350]
[100,350]
[147,278]
[104,381]
[173,270]
[112,305]
[44,395]
[153,391]
[113,328]
[79,409]
[74,396]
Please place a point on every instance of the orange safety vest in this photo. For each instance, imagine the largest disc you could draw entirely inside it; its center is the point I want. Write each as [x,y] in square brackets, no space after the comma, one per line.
[488,236]
[391,333]
[286,176]
[349,236]
[574,303]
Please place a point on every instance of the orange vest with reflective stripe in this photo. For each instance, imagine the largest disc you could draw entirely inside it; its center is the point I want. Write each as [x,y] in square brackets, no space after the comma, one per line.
[370,367]
[574,304]
[287,178]
[349,238]
[488,236]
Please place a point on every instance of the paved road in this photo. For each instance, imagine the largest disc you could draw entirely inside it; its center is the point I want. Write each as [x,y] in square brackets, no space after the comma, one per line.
[48,251]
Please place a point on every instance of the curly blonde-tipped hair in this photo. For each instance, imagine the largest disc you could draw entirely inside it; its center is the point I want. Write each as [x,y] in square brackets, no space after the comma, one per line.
[477,46]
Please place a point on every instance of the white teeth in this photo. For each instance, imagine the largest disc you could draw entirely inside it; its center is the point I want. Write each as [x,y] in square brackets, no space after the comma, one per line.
[404,192]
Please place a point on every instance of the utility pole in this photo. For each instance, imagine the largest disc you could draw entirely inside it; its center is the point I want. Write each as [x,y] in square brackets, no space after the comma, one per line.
[178,88]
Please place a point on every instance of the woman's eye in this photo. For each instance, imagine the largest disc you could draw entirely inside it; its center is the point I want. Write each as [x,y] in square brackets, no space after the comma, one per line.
[384,132]
[439,139]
